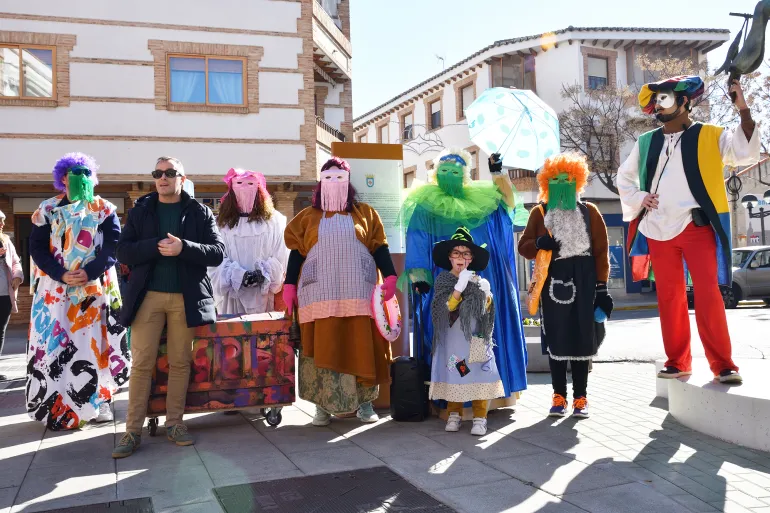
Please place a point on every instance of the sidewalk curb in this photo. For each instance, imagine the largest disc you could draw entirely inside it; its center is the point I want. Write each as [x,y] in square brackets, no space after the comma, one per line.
[635,307]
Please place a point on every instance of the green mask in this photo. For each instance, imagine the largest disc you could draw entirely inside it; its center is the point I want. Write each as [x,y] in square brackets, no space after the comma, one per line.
[80,187]
[450,178]
[562,192]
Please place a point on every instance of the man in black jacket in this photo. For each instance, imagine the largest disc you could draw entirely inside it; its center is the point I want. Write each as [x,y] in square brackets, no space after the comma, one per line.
[169,241]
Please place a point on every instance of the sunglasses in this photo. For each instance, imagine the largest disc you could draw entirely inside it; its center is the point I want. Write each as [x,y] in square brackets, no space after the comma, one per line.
[80,170]
[170,173]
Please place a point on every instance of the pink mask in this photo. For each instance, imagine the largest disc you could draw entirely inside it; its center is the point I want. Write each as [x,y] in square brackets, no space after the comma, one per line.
[246,185]
[334,189]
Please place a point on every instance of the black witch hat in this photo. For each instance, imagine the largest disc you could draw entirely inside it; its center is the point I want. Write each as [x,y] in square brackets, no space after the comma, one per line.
[462,237]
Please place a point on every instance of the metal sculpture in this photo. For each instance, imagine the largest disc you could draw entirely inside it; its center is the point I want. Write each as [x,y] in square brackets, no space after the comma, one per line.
[745,60]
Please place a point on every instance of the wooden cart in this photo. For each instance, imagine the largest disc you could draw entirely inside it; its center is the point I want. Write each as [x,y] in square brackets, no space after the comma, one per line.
[238,363]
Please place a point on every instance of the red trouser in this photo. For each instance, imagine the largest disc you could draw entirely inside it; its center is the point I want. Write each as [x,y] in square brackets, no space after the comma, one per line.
[698,247]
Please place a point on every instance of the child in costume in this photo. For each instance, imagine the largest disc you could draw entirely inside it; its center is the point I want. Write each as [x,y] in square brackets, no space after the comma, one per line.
[78,351]
[672,191]
[432,213]
[255,254]
[337,247]
[464,367]
[574,300]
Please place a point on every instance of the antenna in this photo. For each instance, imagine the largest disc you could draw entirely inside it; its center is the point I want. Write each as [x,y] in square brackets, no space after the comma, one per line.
[440,58]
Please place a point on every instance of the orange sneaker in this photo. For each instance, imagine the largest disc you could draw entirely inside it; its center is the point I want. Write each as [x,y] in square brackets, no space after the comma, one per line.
[580,408]
[558,406]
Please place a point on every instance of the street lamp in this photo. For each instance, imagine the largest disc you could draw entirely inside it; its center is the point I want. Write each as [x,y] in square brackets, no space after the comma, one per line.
[750,202]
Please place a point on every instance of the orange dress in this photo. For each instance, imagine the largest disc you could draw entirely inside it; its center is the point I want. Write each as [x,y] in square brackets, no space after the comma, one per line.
[339,336]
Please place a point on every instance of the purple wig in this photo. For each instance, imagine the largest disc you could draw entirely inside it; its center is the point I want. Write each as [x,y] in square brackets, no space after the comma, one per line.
[71,160]
[336,162]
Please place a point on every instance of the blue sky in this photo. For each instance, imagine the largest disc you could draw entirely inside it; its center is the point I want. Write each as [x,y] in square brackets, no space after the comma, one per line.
[395,42]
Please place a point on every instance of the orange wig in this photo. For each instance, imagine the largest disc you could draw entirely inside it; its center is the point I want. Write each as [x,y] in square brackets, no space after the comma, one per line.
[574,164]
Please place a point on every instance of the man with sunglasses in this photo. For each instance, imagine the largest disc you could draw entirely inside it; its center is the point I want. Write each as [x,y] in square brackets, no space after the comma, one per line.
[169,241]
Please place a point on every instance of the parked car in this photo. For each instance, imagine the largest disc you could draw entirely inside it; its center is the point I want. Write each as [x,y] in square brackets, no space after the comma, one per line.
[751,277]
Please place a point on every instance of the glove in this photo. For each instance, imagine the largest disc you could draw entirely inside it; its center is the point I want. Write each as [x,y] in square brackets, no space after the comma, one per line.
[421,287]
[389,287]
[290,297]
[462,280]
[547,242]
[253,279]
[603,300]
[495,162]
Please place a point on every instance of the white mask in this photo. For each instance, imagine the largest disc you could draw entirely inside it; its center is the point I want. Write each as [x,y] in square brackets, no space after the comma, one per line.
[665,99]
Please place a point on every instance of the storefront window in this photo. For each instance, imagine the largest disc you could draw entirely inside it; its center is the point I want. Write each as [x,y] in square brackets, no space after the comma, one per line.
[617,258]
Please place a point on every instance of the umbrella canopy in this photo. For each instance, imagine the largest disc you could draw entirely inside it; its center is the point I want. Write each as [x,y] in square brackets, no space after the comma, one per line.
[515,123]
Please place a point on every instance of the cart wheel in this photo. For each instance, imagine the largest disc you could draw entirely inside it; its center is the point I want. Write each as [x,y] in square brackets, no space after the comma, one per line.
[274,416]
[152,426]
[263,412]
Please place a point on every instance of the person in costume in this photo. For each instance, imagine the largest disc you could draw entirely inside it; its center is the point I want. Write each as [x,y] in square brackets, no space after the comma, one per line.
[672,192]
[574,294]
[337,247]
[432,213]
[78,351]
[255,255]
[463,319]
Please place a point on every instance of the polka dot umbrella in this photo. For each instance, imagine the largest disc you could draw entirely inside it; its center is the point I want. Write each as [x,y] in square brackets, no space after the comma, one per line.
[515,123]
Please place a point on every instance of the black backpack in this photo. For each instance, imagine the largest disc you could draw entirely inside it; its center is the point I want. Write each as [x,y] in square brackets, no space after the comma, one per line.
[408,390]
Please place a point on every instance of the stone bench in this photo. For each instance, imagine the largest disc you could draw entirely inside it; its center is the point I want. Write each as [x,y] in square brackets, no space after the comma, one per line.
[738,414]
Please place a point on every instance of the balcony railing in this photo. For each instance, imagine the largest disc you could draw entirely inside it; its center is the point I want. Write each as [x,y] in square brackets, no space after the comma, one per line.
[330,129]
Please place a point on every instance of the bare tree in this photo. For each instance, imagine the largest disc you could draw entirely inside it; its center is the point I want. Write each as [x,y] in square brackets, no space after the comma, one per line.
[599,122]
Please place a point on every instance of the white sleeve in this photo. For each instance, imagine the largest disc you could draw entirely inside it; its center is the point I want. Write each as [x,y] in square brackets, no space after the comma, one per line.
[736,150]
[226,277]
[631,195]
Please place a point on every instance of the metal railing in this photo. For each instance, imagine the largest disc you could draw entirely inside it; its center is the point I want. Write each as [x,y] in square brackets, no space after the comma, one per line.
[326,126]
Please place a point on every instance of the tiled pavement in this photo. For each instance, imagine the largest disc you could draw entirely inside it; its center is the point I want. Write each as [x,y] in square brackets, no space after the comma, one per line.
[630,456]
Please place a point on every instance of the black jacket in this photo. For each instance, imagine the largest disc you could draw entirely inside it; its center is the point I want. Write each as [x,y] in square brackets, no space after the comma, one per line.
[202,248]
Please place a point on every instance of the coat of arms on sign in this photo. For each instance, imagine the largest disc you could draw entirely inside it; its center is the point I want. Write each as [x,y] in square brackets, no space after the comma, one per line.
[370,180]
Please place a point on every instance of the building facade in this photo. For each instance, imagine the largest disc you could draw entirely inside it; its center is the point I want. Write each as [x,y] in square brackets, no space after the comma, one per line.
[429,117]
[259,84]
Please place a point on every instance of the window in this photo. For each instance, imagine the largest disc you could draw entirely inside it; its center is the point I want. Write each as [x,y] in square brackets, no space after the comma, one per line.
[474,165]
[435,115]
[27,72]
[362,139]
[467,94]
[409,174]
[598,72]
[514,71]
[207,80]
[407,126]
[762,259]
[383,134]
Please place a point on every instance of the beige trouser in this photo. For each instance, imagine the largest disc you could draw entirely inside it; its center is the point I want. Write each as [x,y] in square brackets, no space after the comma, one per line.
[159,309]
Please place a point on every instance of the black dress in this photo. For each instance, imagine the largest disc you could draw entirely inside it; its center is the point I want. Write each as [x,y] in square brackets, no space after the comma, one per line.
[568,329]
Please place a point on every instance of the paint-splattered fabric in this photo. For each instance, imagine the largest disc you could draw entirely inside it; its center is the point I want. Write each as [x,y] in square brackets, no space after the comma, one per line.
[78,352]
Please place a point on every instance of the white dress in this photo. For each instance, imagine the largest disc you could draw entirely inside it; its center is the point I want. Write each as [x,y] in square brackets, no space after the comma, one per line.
[250,246]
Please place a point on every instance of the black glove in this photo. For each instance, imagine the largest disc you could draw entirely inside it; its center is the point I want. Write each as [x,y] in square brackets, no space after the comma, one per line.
[603,299]
[495,162]
[421,287]
[253,279]
[547,242]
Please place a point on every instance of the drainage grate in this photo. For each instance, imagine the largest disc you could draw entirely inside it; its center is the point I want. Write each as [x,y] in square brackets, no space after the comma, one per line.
[127,506]
[373,490]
